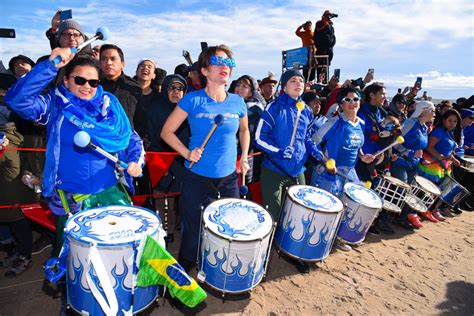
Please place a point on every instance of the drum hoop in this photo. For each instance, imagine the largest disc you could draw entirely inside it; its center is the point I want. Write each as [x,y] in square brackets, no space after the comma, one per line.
[426,189]
[397,182]
[108,244]
[367,206]
[313,210]
[231,240]
[418,203]
[205,224]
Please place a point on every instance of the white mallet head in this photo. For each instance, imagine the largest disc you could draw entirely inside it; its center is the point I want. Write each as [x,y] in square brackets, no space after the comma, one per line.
[82,139]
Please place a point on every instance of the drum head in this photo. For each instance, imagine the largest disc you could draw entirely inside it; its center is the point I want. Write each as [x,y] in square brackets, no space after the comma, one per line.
[112,225]
[236,219]
[389,206]
[315,199]
[397,182]
[427,185]
[362,195]
[416,204]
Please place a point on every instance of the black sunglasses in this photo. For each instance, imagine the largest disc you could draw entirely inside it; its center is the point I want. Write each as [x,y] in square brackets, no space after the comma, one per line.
[94,83]
[172,88]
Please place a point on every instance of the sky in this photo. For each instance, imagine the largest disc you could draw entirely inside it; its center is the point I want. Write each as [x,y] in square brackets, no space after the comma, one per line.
[401,40]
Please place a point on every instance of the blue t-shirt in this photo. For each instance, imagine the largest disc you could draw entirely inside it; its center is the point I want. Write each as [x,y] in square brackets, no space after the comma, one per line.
[446,143]
[220,154]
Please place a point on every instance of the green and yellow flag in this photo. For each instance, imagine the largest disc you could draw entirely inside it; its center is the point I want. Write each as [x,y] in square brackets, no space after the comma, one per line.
[157,266]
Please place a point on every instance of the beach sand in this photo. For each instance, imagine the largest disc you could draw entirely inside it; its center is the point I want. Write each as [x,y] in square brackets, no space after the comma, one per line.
[429,271]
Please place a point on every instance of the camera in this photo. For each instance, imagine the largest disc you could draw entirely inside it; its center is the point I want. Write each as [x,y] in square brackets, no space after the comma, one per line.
[332,15]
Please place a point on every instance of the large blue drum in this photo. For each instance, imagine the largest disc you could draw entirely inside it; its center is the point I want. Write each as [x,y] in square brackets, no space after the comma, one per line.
[362,207]
[102,260]
[308,223]
[235,241]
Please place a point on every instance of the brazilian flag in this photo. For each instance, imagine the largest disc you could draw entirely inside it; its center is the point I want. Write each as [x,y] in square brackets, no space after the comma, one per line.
[158,267]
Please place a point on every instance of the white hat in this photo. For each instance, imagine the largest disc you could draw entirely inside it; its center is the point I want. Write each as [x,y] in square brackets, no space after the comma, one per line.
[421,106]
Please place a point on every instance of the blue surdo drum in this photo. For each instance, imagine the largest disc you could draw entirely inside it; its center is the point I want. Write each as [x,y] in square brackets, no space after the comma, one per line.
[308,223]
[234,245]
[362,206]
[102,260]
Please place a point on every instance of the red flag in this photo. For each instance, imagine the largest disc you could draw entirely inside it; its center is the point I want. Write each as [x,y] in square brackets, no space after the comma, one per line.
[158,164]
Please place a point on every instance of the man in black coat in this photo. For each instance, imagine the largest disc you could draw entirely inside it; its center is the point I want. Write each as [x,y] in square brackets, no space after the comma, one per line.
[127,90]
[324,40]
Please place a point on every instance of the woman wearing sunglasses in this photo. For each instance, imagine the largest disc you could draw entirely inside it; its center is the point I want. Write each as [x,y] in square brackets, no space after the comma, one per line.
[79,103]
[341,138]
[213,172]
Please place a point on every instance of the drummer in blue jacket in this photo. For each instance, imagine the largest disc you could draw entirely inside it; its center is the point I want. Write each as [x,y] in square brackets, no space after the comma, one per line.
[76,178]
[341,138]
[283,164]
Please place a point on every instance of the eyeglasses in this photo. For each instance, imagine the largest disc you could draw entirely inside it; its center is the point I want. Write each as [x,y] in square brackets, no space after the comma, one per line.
[71,35]
[94,83]
[221,61]
[349,100]
[173,88]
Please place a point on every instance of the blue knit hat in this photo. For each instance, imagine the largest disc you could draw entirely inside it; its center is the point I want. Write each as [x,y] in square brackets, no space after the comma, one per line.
[287,76]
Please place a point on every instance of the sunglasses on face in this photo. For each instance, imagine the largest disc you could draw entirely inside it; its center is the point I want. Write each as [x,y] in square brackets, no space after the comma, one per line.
[390,126]
[349,100]
[71,35]
[178,88]
[221,61]
[94,83]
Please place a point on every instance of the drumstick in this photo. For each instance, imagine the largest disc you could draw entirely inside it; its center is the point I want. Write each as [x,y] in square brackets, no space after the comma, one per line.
[300,107]
[244,190]
[399,140]
[218,120]
[102,33]
[331,165]
[83,139]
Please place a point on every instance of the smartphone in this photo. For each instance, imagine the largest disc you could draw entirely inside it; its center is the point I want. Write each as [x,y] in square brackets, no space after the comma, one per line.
[371,71]
[337,73]
[65,15]
[418,82]
[203,45]
[7,33]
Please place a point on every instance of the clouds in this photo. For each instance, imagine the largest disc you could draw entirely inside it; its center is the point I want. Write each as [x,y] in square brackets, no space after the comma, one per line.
[386,35]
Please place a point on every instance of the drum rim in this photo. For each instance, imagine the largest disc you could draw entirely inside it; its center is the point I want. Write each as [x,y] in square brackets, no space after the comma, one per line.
[102,244]
[311,209]
[431,182]
[411,197]
[305,260]
[204,224]
[398,209]
[397,181]
[235,292]
[363,204]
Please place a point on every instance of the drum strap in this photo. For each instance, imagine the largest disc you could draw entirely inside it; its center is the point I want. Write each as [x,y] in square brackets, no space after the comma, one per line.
[64,202]
[95,260]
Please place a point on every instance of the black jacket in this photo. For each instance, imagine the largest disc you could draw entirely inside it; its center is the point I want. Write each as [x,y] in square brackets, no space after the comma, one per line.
[129,93]
[158,111]
[324,37]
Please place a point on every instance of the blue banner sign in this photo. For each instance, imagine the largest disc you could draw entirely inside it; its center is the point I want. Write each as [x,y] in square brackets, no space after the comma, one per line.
[296,58]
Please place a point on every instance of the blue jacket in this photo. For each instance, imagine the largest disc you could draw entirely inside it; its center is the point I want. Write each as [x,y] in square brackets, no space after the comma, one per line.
[416,138]
[369,113]
[274,134]
[67,167]
[341,139]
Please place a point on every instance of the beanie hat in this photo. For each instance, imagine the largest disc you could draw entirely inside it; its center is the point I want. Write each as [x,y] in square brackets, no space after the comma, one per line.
[12,61]
[421,106]
[467,113]
[69,24]
[287,76]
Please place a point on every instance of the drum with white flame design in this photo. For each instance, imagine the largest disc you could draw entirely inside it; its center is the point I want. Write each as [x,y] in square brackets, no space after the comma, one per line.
[362,206]
[103,246]
[308,223]
[235,240]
